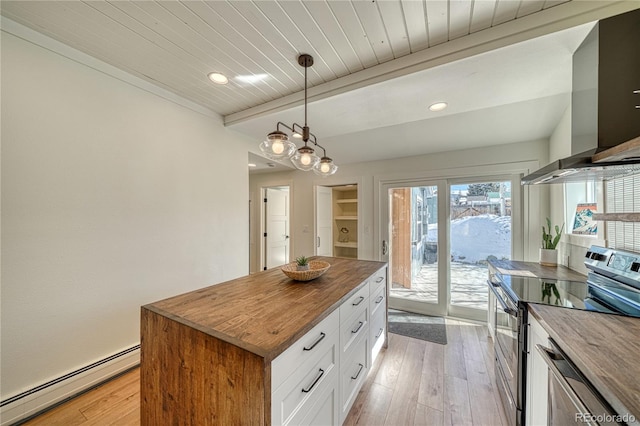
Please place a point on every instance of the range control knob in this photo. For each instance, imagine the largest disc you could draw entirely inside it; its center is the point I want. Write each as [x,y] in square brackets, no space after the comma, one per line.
[598,256]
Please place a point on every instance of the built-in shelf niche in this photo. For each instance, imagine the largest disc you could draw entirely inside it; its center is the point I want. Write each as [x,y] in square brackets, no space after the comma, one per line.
[345,221]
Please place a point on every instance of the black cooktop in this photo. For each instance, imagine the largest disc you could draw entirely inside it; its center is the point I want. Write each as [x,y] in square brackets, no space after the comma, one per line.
[567,294]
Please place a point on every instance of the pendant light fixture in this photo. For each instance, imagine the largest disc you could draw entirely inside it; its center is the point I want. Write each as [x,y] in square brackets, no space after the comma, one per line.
[277,146]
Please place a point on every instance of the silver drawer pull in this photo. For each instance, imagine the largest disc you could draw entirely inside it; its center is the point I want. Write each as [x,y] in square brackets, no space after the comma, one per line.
[358,373]
[360,324]
[360,299]
[380,279]
[379,299]
[322,336]
[379,333]
[315,382]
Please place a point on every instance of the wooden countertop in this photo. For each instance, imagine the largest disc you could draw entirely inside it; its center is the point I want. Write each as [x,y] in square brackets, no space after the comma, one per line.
[267,311]
[535,270]
[605,349]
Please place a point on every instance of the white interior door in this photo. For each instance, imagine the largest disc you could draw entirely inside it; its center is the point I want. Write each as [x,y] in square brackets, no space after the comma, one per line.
[277,226]
[324,240]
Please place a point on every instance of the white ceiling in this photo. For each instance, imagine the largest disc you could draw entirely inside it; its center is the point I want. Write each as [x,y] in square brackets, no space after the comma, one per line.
[504,66]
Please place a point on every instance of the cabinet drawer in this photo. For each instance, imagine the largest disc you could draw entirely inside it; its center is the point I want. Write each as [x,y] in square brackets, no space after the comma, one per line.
[303,387]
[352,374]
[321,410]
[354,303]
[378,328]
[306,349]
[378,299]
[352,329]
[378,279]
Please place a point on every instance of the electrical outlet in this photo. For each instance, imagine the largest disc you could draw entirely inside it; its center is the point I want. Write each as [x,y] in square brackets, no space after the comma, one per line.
[305,229]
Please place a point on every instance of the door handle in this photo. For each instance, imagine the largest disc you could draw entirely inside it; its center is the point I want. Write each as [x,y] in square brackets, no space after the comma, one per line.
[318,241]
[385,247]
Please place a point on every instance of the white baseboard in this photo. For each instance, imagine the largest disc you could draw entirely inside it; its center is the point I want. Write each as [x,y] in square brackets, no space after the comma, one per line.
[42,397]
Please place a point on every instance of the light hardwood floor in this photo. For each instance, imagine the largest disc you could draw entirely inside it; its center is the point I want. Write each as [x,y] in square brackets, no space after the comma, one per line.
[413,382]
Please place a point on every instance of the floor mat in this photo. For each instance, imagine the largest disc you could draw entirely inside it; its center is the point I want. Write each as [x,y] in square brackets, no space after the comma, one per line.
[432,329]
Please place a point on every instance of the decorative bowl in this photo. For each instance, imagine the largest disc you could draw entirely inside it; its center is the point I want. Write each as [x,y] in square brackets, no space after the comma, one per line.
[316,268]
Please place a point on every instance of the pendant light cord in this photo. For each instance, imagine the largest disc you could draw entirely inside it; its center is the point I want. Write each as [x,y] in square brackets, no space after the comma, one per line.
[305,97]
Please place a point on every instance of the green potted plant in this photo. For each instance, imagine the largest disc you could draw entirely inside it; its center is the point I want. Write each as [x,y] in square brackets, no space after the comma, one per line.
[302,263]
[548,252]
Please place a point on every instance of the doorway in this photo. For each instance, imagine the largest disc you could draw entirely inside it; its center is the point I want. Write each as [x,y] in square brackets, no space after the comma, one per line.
[337,219]
[276,223]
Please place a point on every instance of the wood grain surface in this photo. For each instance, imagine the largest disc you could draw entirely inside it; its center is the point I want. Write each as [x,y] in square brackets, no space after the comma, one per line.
[267,311]
[605,349]
[531,269]
[619,152]
[190,378]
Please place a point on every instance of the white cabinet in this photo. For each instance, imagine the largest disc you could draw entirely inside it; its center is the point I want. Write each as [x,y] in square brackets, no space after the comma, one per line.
[317,379]
[378,309]
[306,374]
[354,343]
[537,375]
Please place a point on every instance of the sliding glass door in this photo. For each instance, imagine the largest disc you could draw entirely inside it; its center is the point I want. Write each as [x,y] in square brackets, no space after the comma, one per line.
[412,247]
[439,238]
[479,230]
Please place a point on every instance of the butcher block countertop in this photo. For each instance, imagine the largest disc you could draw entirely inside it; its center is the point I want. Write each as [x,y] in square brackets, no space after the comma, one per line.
[265,312]
[535,270]
[605,349]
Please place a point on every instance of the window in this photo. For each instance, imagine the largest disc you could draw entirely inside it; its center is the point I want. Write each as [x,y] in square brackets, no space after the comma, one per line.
[576,193]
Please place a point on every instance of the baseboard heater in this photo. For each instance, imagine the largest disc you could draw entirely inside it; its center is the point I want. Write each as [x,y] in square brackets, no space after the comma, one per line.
[29,403]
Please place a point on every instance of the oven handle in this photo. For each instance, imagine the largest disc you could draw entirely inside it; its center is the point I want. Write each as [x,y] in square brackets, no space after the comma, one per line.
[548,355]
[507,309]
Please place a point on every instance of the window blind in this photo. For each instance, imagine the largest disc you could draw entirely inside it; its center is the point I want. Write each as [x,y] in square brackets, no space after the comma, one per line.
[623,196]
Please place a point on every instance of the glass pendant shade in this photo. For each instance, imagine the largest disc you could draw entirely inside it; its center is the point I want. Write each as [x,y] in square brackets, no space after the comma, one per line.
[277,146]
[325,167]
[305,159]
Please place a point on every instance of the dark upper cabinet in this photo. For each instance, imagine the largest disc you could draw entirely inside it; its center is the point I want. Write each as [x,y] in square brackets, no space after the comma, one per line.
[605,76]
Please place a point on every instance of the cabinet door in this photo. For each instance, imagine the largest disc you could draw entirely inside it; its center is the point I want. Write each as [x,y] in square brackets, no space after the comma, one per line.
[537,375]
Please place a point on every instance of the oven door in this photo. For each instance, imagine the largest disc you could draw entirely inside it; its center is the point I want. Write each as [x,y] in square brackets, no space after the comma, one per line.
[505,315]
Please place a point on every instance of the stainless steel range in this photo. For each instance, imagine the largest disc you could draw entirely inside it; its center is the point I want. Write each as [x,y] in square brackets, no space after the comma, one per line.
[612,286]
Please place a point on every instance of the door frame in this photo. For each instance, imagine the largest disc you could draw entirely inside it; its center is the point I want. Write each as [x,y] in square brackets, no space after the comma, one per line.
[263,223]
[341,181]
[520,216]
[517,243]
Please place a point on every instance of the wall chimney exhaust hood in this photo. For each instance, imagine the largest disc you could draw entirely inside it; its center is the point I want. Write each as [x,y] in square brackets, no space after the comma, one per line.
[605,106]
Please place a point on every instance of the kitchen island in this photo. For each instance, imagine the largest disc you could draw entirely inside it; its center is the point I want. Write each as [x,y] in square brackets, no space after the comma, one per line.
[263,349]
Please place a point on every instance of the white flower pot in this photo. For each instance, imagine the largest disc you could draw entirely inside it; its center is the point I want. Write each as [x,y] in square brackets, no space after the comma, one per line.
[548,257]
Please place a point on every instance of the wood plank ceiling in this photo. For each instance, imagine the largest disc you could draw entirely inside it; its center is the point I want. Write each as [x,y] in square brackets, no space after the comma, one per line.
[175,44]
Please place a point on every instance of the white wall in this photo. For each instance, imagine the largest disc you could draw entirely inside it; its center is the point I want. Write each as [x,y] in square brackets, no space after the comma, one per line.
[112,197]
[368,176]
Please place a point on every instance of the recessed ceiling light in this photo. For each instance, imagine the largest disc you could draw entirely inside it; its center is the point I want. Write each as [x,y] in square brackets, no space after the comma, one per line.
[218,78]
[438,106]
[253,165]
[251,78]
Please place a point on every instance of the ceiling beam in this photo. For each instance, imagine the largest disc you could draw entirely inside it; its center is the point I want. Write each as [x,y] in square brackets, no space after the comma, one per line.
[557,18]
